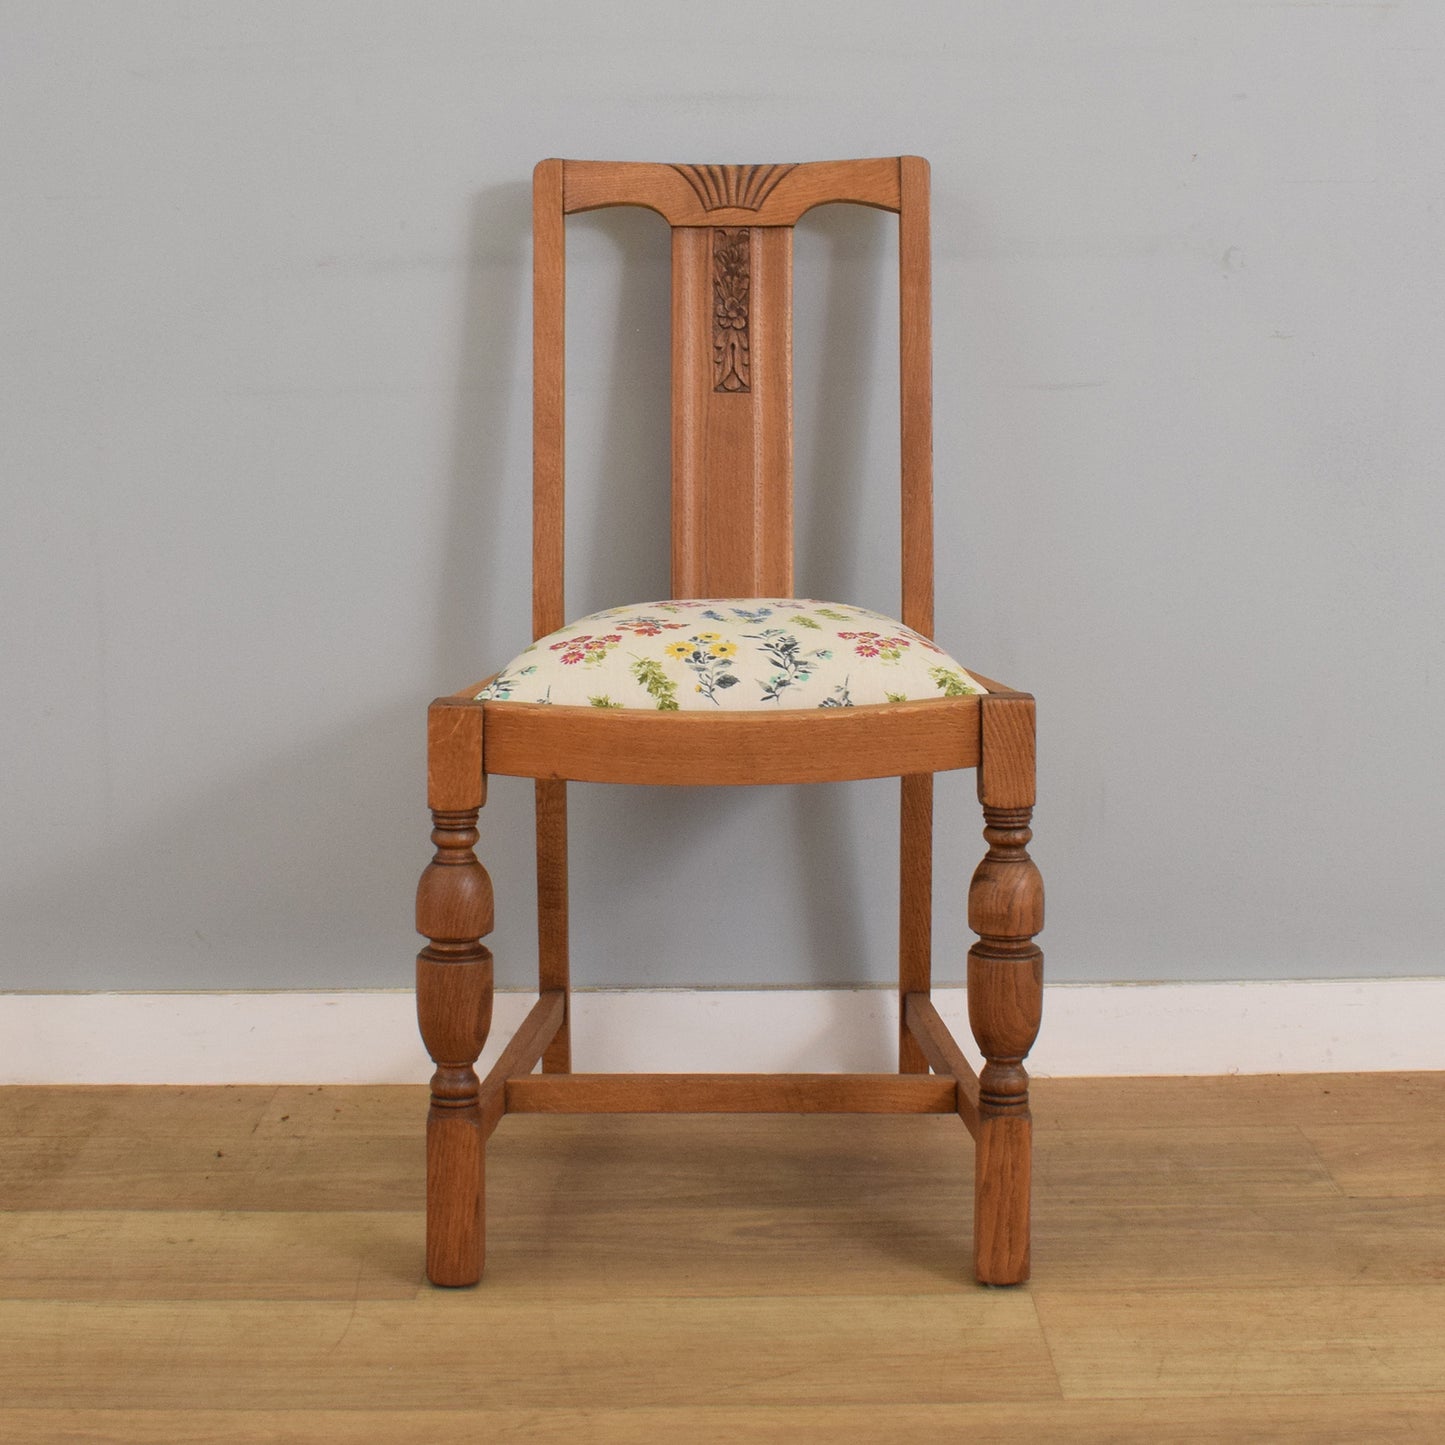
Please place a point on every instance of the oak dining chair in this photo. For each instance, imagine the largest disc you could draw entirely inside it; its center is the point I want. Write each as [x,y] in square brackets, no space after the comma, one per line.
[732,680]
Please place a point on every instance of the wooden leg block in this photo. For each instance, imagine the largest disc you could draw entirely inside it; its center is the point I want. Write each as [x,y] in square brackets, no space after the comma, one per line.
[1002,1176]
[454,999]
[455,1197]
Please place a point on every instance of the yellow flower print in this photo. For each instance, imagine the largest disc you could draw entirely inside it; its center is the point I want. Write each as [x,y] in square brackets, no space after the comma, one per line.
[723,649]
[678,649]
[708,637]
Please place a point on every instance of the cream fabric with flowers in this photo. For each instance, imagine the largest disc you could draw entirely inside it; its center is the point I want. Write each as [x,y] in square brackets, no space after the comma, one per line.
[740,654]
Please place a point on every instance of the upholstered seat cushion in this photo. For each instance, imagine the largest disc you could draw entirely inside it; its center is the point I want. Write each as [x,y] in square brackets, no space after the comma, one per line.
[739,653]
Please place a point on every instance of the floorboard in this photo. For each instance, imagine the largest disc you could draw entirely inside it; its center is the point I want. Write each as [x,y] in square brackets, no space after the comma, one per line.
[1209,1420]
[1215,1260]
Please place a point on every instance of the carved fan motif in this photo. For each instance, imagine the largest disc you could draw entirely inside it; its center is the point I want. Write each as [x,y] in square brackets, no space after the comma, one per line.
[744,187]
[731,283]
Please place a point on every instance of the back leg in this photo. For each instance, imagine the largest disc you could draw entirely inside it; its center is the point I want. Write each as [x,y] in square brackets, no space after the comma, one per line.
[915,908]
[553,968]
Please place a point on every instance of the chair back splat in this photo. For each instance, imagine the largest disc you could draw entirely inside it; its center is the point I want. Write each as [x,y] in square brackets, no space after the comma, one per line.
[732,364]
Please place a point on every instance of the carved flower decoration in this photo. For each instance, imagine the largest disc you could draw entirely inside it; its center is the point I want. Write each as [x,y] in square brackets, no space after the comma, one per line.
[731,314]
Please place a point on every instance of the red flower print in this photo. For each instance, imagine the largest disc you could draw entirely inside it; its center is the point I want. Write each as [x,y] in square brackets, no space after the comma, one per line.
[570,642]
[573,656]
[864,649]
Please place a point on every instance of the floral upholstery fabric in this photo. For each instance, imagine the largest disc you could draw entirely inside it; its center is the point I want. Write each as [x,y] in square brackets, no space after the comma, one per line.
[739,654]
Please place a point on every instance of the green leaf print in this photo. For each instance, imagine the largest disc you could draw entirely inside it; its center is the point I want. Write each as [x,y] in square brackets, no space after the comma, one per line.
[833,615]
[896,696]
[603,701]
[950,683]
[805,622]
[648,671]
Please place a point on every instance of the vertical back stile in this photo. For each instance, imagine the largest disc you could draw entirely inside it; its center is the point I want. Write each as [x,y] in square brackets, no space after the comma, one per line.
[916,392]
[691,361]
[915,407]
[548,396]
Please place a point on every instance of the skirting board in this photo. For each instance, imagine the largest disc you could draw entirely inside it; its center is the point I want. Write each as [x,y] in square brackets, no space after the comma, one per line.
[370,1037]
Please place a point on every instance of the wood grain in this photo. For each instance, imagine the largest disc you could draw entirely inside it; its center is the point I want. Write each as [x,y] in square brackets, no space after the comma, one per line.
[406,1354]
[1244,1100]
[915,909]
[549,372]
[454,778]
[208,1170]
[1208,1420]
[915,371]
[1187,1167]
[554,968]
[1006,770]
[817,745]
[1005,999]
[522,1054]
[732,451]
[217,1255]
[82,1111]
[1403,1160]
[732,1093]
[668,191]
[1199,1273]
[942,1052]
[454,1012]
[1261,1232]
[1343,1340]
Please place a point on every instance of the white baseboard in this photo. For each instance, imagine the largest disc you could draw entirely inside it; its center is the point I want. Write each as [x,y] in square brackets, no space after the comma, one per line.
[369,1036]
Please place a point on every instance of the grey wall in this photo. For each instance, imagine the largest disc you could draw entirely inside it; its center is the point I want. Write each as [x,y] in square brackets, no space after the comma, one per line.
[263,309]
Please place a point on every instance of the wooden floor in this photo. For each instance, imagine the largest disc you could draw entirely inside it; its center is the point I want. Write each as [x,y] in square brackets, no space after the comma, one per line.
[1238,1259]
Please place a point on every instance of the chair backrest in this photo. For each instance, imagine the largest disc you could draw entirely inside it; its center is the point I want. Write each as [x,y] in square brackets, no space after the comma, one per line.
[732,364]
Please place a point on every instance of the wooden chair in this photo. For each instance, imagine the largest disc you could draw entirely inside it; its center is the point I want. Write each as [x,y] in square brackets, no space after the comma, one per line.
[732,235]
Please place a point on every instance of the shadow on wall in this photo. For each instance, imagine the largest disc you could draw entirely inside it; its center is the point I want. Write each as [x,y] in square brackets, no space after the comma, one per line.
[484,504]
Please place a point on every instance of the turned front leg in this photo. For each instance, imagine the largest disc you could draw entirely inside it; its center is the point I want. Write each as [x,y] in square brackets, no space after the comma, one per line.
[454,1009]
[1005,992]
[454,999]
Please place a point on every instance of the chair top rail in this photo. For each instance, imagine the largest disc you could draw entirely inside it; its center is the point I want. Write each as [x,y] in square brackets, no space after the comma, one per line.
[730,195]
